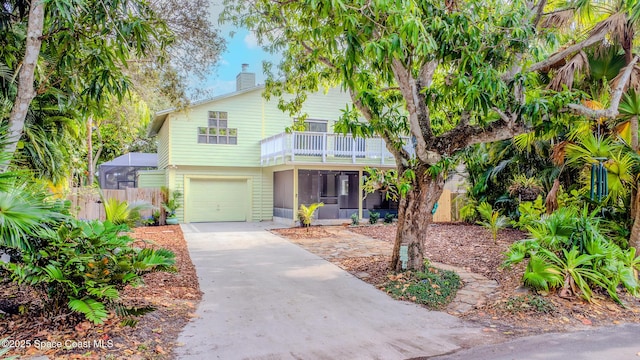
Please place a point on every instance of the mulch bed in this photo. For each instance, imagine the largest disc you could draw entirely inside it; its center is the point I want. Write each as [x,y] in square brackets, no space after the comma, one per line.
[471,247]
[175,295]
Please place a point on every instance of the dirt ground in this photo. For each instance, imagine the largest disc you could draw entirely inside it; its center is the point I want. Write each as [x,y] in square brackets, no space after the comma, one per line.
[471,247]
[175,295]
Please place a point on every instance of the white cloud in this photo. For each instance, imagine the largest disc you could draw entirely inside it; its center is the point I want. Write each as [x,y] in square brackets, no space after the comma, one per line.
[251,41]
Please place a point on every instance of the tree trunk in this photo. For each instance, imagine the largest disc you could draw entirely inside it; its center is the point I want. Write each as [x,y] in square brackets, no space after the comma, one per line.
[90,168]
[26,91]
[633,126]
[551,202]
[414,217]
[634,238]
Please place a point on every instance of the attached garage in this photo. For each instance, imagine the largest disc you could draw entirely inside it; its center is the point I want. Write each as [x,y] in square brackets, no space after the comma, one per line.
[211,200]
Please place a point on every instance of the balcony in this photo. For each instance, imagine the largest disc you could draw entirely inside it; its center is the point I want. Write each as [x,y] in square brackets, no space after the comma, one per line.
[310,147]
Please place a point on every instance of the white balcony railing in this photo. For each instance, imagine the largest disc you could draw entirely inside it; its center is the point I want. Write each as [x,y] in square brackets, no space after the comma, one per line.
[325,147]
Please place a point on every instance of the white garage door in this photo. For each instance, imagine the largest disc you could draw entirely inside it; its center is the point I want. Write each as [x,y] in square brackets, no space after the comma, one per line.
[217,200]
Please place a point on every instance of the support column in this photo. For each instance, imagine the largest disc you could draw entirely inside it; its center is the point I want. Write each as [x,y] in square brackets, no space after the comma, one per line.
[360,193]
[295,193]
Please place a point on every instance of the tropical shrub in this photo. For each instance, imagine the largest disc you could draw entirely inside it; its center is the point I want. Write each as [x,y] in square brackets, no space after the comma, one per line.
[554,231]
[568,251]
[525,188]
[306,214]
[355,219]
[84,265]
[493,220]
[121,212]
[172,201]
[26,208]
[388,218]
[469,211]
[373,217]
[528,213]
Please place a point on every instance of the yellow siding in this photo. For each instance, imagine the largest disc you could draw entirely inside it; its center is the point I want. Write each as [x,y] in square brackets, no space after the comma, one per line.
[255,120]
[151,178]
[163,145]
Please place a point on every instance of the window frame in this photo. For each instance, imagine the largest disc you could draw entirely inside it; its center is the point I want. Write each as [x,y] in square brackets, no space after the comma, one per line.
[214,133]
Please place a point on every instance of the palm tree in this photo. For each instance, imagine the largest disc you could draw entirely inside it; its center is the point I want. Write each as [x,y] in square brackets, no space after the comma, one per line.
[630,110]
[24,209]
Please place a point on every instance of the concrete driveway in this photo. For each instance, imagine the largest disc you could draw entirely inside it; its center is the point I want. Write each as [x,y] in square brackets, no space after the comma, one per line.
[266,298]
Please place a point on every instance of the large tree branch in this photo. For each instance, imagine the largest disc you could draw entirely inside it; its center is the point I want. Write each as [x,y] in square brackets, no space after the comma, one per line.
[418,112]
[539,8]
[322,59]
[612,110]
[26,91]
[594,38]
[462,136]
[558,56]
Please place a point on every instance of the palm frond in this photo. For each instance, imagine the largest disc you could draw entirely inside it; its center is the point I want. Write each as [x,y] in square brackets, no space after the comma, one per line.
[630,104]
[558,19]
[564,77]
[542,274]
[93,310]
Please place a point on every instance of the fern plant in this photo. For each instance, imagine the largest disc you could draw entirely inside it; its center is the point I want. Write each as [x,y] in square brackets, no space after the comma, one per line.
[493,220]
[306,213]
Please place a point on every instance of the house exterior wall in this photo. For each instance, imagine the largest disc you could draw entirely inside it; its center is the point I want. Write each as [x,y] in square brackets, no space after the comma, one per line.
[255,119]
[164,148]
[260,190]
[182,159]
[151,178]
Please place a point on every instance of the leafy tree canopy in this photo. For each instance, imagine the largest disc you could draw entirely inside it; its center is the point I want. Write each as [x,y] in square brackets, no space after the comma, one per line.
[448,74]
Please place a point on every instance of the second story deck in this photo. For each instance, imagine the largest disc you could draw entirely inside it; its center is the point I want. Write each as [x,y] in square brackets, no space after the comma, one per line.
[321,147]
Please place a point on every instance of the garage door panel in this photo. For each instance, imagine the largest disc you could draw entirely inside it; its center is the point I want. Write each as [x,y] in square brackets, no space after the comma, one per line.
[217,200]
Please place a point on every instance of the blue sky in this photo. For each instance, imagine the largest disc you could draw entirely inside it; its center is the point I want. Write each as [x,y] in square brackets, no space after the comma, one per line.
[242,48]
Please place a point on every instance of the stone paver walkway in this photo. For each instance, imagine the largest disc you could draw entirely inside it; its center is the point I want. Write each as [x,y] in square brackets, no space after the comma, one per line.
[343,243]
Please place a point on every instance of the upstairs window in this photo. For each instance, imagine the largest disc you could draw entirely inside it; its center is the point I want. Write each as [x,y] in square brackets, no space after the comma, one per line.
[315,126]
[217,131]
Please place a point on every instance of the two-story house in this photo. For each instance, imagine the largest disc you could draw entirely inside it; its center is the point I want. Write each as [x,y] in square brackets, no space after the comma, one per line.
[233,161]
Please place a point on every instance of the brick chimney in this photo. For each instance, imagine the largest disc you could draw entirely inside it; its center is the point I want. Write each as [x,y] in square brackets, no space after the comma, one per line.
[245,79]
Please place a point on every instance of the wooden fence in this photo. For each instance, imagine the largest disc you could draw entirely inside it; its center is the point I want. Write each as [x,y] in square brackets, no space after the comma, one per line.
[86,203]
[443,212]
